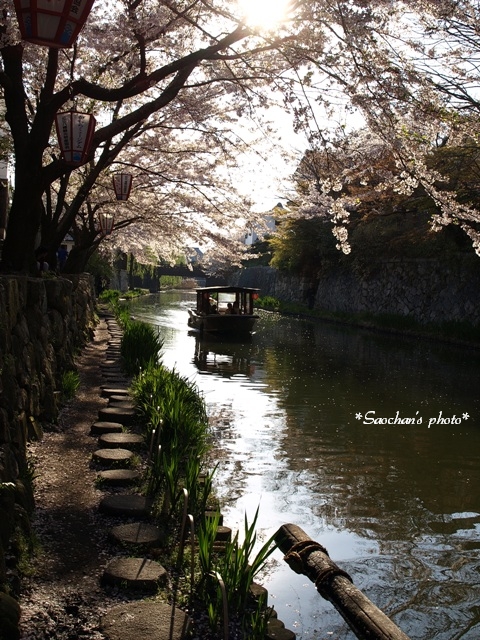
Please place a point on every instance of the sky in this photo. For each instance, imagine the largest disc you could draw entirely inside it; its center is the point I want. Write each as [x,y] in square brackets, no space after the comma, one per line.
[267,180]
[266,174]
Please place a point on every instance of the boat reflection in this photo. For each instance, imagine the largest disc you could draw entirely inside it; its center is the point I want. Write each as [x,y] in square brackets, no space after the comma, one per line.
[215,356]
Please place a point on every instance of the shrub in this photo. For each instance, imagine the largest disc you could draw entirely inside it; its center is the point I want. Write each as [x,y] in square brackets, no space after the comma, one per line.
[141,344]
[109,295]
[175,419]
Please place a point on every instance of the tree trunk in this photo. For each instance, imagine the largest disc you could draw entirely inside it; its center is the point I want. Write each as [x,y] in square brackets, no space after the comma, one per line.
[77,260]
[23,225]
[130,272]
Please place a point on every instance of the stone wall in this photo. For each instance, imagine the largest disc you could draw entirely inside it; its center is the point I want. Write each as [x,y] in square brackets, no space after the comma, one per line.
[424,290]
[43,322]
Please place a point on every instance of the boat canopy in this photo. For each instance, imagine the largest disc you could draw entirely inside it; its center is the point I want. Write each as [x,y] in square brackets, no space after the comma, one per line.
[226,299]
[227,289]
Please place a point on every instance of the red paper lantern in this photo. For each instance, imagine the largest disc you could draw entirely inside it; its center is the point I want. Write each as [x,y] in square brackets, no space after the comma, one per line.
[106,223]
[52,23]
[75,132]
[122,183]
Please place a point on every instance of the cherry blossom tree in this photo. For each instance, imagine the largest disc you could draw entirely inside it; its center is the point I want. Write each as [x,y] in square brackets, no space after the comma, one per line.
[140,57]
[408,68]
[178,193]
[411,70]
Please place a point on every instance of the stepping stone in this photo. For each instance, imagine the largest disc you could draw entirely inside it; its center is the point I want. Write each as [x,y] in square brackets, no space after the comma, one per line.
[121,440]
[121,404]
[120,398]
[223,534]
[119,477]
[276,631]
[108,391]
[136,573]
[112,370]
[145,619]
[257,591]
[117,373]
[138,533]
[115,414]
[109,456]
[98,428]
[129,505]
[113,380]
[213,515]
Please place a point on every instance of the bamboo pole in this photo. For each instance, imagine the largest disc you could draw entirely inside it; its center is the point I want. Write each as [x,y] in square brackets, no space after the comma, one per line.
[309,558]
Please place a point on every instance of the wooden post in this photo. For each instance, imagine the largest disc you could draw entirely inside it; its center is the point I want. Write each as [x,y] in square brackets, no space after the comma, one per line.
[309,558]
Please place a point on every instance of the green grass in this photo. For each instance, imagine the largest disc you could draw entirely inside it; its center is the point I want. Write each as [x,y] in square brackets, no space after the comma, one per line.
[227,577]
[113,295]
[134,293]
[141,344]
[69,385]
[109,295]
[175,421]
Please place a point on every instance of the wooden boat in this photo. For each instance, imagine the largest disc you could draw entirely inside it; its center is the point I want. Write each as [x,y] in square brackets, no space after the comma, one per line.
[224,310]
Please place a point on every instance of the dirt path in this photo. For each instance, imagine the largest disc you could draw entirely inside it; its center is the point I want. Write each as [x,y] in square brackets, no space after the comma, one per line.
[63,599]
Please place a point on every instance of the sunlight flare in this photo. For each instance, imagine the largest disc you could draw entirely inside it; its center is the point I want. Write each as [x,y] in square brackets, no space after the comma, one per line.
[264,14]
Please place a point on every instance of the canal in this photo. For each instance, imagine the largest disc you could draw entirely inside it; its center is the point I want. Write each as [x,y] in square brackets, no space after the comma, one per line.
[369,442]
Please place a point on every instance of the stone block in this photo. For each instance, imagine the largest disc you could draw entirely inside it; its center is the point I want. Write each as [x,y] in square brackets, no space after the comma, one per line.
[9,617]
[57,328]
[4,427]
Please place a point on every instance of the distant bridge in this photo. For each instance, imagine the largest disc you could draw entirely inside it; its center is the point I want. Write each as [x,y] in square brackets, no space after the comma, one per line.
[184,272]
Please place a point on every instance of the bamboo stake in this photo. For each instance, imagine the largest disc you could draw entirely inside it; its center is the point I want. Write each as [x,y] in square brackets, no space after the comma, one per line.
[309,558]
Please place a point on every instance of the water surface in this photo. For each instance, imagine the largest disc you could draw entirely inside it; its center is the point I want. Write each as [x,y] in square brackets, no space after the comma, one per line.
[369,442]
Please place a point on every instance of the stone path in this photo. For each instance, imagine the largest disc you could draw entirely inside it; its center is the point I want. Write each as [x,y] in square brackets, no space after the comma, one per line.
[150,618]
[88,575]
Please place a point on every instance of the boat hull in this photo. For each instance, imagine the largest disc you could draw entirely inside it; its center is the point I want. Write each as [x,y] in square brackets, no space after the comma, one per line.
[218,323]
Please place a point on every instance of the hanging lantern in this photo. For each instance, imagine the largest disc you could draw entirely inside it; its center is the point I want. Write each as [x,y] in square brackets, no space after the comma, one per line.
[52,23]
[122,183]
[75,131]
[106,223]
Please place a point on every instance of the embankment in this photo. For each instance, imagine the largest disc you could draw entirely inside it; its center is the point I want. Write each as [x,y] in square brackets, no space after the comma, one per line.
[43,323]
[424,291]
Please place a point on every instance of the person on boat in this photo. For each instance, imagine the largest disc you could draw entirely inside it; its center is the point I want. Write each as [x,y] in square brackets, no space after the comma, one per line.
[229,309]
[205,308]
[235,308]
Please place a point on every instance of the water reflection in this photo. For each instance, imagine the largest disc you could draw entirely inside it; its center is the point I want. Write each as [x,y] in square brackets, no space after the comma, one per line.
[215,356]
[396,504]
